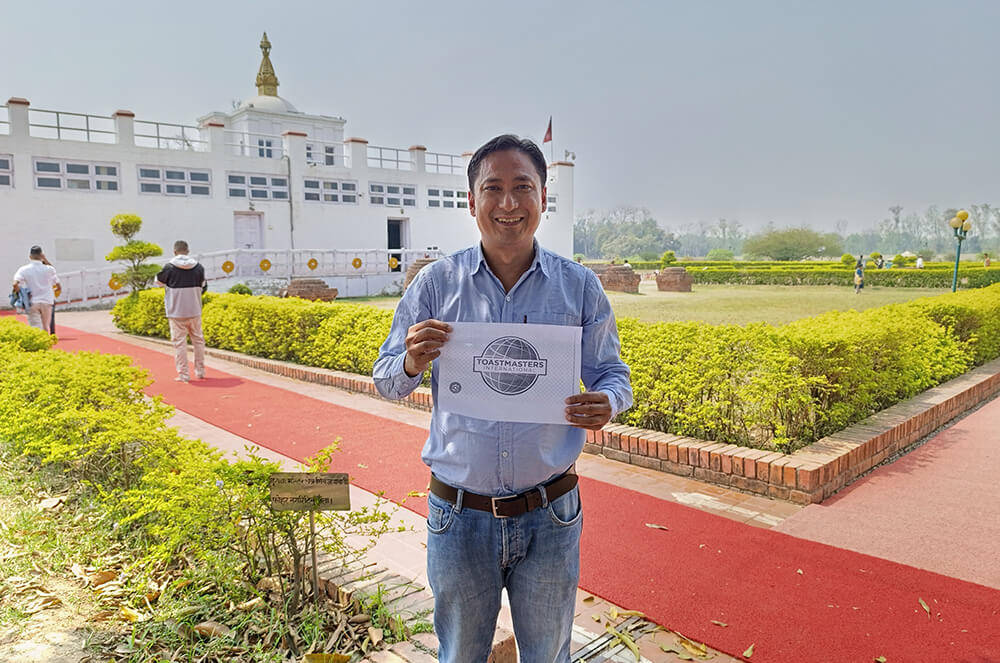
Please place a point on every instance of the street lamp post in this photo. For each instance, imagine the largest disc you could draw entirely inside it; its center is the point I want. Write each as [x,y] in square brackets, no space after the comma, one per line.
[961,225]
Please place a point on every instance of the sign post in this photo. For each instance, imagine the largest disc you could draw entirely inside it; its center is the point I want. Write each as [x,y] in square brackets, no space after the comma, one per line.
[312,492]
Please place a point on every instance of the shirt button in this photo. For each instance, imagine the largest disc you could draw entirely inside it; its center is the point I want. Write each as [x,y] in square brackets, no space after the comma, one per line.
[508,298]
[504,454]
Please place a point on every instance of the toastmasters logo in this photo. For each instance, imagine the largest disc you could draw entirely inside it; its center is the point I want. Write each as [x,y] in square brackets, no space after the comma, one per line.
[509,365]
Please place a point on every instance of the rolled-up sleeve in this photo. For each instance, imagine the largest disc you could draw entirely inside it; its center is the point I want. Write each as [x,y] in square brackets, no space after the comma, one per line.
[602,368]
[390,377]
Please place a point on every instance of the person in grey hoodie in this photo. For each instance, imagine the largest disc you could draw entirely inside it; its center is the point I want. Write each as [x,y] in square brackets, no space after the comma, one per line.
[184,280]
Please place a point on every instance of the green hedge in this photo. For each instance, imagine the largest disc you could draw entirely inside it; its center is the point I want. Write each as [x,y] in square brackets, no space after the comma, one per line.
[86,415]
[29,339]
[969,277]
[343,337]
[783,387]
[758,385]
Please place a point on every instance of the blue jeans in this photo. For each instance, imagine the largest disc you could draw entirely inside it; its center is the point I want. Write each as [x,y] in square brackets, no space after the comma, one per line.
[471,556]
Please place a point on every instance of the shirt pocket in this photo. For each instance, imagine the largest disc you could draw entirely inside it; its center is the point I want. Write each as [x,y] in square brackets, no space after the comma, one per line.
[553,318]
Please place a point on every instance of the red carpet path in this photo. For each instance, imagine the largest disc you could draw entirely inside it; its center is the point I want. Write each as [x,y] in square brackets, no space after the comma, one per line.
[797,601]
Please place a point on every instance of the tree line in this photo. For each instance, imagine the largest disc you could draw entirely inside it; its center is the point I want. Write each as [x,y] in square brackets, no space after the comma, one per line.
[634,232]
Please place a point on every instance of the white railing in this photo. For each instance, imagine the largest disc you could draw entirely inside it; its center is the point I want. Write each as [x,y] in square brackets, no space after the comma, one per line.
[318,263]
[323,153]
[4,121]
[91,287]
[438,162]
[250,144]
[71,126]
[167,136]
[88,287]
[389,157]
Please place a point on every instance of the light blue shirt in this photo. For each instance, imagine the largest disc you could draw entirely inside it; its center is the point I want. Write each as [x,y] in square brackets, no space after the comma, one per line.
[496,457]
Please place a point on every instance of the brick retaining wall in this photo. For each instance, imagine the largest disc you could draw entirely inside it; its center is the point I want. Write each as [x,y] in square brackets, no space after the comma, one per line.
[809,475]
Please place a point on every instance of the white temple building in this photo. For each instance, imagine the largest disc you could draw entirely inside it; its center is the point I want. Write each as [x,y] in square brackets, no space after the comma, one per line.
[263,182]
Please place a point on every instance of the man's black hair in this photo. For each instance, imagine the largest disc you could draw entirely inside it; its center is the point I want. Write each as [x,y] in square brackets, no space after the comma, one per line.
[181,245]
[35,250]
[508,142]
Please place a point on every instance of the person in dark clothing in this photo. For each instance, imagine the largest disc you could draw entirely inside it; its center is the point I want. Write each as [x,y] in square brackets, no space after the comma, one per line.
[184,280]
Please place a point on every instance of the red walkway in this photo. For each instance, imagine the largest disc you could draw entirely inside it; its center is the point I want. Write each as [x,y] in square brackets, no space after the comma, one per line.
[946,490]
[795,600]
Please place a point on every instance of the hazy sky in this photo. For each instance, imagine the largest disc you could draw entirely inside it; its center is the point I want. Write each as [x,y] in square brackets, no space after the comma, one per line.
[797,112]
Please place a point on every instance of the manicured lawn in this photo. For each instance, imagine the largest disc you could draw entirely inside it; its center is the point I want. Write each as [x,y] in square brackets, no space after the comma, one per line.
[725,304]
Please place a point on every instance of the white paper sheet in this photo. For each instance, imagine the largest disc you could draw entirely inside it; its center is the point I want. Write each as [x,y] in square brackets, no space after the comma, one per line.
[509,372]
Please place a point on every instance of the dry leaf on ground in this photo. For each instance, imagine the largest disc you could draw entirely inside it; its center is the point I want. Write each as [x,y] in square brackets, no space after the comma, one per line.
[655,526]
[51,503]
[252,604]
[102,577]
[132,615]
[210,629]
[326,658]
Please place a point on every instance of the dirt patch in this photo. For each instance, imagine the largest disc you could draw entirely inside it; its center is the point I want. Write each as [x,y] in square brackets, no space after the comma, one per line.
[61,634]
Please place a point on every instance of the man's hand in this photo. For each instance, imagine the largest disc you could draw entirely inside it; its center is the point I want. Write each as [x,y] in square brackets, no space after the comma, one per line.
[16,287]
[423,345]
[590,410]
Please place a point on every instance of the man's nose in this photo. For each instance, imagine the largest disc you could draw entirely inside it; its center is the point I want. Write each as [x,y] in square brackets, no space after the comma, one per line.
[509,200]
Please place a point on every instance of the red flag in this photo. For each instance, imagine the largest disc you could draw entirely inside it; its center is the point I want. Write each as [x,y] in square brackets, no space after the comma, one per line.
[548,133]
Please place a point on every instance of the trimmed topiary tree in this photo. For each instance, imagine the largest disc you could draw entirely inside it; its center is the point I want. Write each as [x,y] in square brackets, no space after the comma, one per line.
[137,274]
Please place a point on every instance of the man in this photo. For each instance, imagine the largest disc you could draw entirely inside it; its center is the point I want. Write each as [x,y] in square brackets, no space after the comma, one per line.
[184,279]
[37,279]
[530,542]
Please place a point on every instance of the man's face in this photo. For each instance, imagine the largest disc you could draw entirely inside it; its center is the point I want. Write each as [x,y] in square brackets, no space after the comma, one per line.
[508,200]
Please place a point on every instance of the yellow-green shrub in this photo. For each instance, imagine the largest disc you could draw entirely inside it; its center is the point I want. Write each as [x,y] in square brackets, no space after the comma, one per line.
[19,335]
[330,335]
[726,383]
[86,414]
[142,313]
[774,387]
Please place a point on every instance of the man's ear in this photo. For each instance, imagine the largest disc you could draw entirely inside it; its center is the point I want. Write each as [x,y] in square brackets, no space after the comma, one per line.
[472,203]
[545,199]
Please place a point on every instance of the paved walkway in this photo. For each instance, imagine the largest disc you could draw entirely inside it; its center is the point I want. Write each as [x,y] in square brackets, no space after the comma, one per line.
[936,508]
[920,510]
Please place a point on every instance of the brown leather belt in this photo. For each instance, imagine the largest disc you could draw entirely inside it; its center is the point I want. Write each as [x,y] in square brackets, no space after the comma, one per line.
[511,506]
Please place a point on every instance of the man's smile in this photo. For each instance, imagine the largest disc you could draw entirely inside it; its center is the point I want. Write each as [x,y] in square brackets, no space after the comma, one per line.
[508,220]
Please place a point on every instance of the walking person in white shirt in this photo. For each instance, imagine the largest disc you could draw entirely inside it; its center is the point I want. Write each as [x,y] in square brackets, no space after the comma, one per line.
[39,280]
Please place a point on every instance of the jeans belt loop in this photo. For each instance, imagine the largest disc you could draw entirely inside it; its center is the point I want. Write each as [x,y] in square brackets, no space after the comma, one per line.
[458,500]
[545,497]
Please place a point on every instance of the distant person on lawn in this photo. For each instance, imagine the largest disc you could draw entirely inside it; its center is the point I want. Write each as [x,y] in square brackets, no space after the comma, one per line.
[37,279]
[859,276]
[504,508]
[184,279]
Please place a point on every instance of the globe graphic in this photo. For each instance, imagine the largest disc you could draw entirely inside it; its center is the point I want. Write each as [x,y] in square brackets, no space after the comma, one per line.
[509,347]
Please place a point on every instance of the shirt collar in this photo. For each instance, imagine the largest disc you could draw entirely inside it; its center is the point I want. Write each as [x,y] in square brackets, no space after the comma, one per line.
[542,259]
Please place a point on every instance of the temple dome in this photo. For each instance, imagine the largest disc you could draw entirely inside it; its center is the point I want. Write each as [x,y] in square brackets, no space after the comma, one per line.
[269,104]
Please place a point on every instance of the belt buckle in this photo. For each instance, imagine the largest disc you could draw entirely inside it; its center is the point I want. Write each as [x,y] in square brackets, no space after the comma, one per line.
[493,504]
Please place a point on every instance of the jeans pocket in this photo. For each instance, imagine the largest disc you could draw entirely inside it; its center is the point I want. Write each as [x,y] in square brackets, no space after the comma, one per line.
[440,514]
[567,509]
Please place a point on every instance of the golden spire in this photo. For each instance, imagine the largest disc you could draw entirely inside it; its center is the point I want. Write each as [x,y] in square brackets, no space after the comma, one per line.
[267,81]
